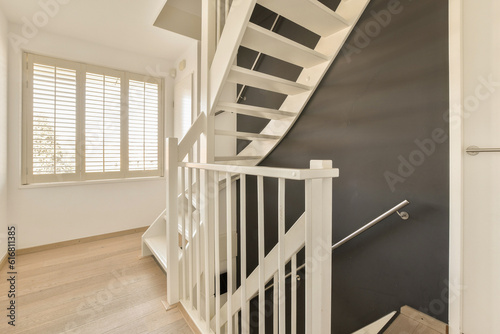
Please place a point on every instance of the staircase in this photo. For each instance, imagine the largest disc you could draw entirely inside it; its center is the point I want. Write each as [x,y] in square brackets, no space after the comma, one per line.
[195,238]
[333,29]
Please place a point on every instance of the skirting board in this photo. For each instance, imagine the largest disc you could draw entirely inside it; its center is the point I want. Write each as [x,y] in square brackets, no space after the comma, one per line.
[79,241]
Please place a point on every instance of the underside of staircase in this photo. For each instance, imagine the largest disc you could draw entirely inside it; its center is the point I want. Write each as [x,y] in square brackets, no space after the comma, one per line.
[331,28]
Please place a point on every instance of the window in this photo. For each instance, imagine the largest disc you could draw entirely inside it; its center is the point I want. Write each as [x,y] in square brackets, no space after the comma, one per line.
[83,122]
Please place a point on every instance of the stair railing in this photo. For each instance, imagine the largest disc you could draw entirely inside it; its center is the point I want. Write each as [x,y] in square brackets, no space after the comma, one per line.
[195,268]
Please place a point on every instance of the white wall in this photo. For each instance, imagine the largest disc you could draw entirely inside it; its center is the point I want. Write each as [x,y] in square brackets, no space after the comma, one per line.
[52,214]
[224,145]
[3,134]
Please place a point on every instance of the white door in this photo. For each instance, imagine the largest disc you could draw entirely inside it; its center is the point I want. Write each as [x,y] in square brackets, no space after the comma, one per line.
[481,233]
[183,106]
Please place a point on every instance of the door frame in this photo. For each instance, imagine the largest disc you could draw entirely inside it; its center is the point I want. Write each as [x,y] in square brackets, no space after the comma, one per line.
[456,165]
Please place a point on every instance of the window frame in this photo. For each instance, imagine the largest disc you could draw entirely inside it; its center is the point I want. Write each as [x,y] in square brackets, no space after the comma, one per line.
[80,175]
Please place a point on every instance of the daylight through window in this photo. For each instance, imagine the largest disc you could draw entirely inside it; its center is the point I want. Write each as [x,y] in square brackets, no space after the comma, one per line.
[83,122]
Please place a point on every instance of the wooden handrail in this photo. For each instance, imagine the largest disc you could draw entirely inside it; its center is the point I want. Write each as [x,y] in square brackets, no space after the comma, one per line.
[193,134]
[286,173]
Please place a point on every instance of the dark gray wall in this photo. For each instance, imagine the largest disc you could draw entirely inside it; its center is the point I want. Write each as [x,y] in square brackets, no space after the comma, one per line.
[378,114]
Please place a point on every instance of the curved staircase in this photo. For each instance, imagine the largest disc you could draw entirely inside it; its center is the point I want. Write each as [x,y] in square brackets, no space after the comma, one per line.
[332,27]
[191,213]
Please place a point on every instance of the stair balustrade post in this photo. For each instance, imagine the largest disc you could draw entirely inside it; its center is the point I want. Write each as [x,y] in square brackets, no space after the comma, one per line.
[172,216]
[318,251]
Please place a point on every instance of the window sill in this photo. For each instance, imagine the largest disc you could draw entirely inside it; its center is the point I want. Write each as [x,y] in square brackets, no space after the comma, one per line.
[90,182]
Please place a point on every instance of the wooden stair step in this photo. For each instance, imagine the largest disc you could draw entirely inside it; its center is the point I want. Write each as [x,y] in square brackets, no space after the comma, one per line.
[412,321]
[310,14]
[246,135]
[254,111]
[158,246]
[256,79]
[272,44]
[377,326]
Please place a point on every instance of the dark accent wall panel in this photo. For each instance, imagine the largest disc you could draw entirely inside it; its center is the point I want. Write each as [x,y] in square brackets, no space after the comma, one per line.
[379,115]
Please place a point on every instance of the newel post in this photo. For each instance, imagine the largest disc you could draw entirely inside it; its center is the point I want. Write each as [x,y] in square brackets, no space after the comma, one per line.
[318,251]
[171,166]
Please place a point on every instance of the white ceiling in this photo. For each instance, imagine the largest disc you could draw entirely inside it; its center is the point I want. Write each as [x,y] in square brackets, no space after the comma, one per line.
[121,24]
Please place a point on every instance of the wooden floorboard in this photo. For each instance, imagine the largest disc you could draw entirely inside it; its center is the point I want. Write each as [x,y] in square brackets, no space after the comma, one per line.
[97,287]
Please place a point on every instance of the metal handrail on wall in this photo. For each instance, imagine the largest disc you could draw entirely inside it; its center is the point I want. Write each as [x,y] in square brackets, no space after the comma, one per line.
[404,215]
[374,222]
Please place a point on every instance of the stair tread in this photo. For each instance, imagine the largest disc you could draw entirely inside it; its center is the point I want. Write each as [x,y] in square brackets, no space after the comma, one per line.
[158,246]
[272,44]
[310,14]
[265,81]
[377,326]
[410,320]
[247,135]
[255,111]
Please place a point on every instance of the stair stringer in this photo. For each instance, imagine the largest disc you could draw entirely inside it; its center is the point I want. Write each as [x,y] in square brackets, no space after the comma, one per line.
[330,45]
[294,241]
[227,49]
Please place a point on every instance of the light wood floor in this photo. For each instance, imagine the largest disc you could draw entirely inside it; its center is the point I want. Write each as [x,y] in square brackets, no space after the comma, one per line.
[97,287]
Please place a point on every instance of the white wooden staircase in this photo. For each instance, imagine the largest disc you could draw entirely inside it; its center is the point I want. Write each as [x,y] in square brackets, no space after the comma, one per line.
[333,29]
[198,222]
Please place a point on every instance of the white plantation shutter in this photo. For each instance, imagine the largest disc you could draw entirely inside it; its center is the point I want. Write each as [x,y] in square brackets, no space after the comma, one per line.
[143,126]
[83,122]
[54,120]
[102,123]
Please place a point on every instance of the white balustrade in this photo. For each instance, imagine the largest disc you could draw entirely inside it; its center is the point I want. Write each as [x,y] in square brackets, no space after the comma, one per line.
[209,246]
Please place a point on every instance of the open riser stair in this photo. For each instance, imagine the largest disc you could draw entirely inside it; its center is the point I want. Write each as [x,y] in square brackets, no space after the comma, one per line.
[199,237]
[333,28]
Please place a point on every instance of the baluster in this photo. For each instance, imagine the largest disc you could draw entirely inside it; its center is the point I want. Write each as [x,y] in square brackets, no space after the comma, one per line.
[217,253]
[207,227]
[294,294]
[198,242]
[229,242]
[191,241]
[281,256]
[276,302]
[190,224]
[245,316]
[183,232]
[261,244]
